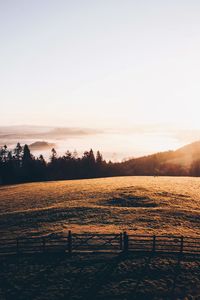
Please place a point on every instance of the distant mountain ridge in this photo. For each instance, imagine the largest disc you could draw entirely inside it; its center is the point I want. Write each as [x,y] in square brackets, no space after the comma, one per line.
[168,162]
[41,145]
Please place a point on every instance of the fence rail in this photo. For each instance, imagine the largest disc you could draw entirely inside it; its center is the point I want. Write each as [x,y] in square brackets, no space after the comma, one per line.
[94,242]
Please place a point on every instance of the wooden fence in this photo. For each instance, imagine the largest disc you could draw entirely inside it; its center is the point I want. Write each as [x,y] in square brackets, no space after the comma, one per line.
[93,242]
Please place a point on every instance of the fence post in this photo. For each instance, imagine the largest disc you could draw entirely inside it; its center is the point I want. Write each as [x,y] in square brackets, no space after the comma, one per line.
[121,241]
[17,245]
[43,245]
[69,242]
[126,242]
[181,246]
[154,244]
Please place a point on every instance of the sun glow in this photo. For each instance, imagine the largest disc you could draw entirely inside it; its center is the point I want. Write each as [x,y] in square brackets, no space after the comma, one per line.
[63,67]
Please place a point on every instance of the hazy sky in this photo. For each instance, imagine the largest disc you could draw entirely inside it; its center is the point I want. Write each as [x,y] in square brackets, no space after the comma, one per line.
[100,64]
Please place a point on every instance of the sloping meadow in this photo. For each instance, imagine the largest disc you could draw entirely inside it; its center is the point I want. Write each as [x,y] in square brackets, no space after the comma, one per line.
[151,205]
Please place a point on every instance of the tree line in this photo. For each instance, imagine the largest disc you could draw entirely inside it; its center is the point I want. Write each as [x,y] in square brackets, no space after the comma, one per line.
[20,165]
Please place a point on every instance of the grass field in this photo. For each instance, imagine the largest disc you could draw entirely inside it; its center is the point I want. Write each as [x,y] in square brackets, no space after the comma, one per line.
[101,277]
[155,205]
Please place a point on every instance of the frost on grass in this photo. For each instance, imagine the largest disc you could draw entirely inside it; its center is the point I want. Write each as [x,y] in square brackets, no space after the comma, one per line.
[146,205]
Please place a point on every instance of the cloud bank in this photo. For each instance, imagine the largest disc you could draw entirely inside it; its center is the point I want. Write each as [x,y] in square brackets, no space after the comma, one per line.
[13,134]
[114,143]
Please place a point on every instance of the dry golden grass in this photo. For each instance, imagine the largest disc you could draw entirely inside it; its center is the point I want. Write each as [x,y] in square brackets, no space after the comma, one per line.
[155,205]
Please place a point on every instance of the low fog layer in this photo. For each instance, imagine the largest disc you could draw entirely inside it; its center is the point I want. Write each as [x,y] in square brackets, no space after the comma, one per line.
[116,144]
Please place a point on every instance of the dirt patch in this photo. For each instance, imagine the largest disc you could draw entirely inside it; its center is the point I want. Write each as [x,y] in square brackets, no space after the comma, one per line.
[130,201]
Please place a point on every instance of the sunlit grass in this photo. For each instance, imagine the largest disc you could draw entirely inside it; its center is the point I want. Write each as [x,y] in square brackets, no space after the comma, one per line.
[155,205]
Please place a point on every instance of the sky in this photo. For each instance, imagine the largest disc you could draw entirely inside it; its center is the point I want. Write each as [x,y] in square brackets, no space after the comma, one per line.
[129,70]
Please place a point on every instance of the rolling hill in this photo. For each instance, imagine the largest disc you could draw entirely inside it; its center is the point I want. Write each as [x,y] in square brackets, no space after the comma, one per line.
[164,163]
